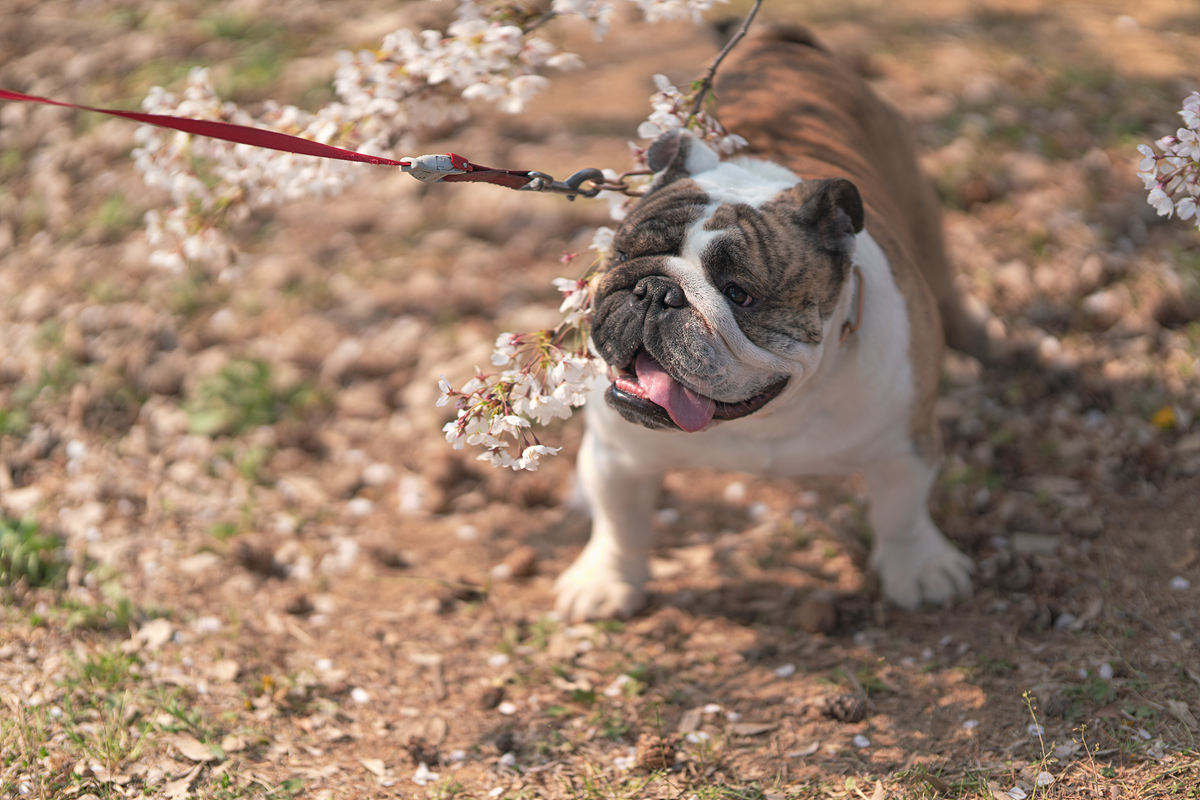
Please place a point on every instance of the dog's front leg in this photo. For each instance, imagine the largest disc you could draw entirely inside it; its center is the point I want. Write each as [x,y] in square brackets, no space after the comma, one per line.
[609,577]
[914,560]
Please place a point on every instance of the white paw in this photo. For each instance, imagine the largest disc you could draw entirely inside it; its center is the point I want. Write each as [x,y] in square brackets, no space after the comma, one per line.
[926,570]
[600,586]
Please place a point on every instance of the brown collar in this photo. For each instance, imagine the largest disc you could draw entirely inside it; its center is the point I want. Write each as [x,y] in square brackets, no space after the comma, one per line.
[850,327]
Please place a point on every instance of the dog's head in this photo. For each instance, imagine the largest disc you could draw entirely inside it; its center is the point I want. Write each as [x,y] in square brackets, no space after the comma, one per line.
[721,286]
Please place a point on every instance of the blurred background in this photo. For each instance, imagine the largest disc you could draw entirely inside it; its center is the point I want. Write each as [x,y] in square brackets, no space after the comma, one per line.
[241,480]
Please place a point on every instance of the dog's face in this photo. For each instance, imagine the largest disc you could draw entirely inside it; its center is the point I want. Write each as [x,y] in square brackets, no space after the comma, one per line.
[721,286]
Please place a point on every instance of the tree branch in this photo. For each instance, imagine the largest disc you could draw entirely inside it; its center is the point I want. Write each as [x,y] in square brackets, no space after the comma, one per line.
[707,83]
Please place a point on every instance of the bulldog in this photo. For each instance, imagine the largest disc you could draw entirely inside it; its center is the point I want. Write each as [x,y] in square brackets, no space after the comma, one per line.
[777,314]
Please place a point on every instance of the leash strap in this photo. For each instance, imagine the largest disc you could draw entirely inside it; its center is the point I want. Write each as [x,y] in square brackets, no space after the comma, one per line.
[449,167]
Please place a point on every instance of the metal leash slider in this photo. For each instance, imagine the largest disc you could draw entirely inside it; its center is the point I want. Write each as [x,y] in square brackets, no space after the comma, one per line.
[434,168]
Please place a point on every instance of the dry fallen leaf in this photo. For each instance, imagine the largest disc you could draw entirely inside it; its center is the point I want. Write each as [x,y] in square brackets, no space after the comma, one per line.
[1180,709]
[752,728]
[181,787]
[805,752]
[192,749]
[232,743]
[375,766]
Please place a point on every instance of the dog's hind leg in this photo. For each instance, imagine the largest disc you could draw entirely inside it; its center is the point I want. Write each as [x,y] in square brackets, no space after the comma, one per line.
[608,578]
[915,562]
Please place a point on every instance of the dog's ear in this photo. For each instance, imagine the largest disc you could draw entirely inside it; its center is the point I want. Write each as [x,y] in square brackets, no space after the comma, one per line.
[678,154]
[835,210]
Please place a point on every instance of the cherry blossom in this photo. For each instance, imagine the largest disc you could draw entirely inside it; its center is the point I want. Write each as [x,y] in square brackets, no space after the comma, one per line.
[1172,177]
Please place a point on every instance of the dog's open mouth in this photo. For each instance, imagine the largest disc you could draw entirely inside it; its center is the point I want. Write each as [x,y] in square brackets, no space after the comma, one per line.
[645,386]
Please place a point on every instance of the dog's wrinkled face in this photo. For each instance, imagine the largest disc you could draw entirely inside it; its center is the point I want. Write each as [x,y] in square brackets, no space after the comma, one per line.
[720,286]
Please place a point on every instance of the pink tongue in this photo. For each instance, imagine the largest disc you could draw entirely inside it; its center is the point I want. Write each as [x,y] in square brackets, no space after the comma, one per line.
[689,410]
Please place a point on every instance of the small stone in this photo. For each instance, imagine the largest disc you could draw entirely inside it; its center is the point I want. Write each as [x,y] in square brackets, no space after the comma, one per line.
[226,670]
[846,707]
[256,554]
[861,742]
[818,612]
[522,562]
[360,507]
[654,753]
[667,516]
[1180,584]
[785,671]
[1031,543]
[1087,526]
[424,775]
[299,606]
[378,474]
[155,633]
[360,695]
[735,492]
[1015,280]
[1104,308]
[507,708]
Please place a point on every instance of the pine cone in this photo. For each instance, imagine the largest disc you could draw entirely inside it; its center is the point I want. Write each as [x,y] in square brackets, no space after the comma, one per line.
[847,707]
[655,753]
[1054,704]
[421,752]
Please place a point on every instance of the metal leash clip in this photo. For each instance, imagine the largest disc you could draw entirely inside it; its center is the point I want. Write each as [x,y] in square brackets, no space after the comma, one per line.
[572,186]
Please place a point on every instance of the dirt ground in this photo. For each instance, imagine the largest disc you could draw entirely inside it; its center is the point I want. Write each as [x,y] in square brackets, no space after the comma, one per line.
[269,576]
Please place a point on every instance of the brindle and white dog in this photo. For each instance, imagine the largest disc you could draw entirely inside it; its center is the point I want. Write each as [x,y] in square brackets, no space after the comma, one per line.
[777,315]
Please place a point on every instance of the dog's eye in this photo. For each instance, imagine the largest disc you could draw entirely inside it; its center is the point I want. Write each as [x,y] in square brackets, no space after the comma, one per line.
[737,295]
[620,256]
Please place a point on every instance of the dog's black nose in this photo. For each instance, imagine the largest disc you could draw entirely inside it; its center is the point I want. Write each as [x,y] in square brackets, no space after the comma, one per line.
[660,291]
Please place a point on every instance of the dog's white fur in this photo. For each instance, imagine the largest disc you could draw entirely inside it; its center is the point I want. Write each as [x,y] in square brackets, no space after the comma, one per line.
[845,409]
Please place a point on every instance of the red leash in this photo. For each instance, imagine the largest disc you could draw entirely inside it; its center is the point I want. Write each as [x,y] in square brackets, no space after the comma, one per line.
[430,169]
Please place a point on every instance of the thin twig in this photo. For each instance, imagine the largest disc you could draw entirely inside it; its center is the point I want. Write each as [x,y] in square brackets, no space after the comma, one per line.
[707,83]
[540,21]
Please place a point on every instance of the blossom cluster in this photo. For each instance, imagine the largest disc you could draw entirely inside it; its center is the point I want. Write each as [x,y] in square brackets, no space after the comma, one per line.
[673,109]
[214,184]
[384,96]
[551,374]
[1172,178]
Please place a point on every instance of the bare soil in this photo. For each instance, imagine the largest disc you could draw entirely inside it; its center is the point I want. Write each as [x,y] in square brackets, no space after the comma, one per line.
[320,595]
